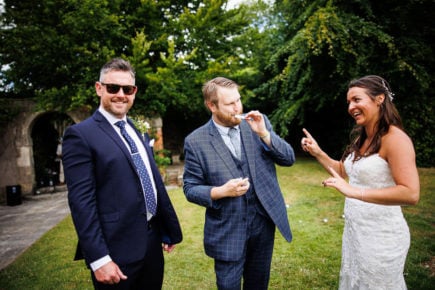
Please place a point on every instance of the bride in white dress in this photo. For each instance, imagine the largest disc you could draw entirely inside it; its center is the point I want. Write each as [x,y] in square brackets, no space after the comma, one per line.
[382,175]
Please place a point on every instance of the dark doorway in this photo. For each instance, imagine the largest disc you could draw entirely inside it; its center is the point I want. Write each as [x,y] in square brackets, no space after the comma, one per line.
[46,135]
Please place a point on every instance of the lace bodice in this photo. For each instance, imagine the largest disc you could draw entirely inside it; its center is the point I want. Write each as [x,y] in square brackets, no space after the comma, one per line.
[369,172]
[375,237]
[372,171]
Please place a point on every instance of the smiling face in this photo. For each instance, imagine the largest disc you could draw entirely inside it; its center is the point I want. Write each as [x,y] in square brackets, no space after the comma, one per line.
[362,107]
[228,104]
[117,104]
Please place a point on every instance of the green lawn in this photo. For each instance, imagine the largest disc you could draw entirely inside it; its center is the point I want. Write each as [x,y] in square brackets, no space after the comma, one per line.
[310,261]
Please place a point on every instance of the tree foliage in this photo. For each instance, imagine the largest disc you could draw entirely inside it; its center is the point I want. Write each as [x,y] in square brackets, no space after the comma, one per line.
[53,49]
[327,43]
[293,59]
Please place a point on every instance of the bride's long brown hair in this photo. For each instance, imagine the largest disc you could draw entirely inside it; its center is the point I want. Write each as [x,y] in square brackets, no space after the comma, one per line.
[388,115]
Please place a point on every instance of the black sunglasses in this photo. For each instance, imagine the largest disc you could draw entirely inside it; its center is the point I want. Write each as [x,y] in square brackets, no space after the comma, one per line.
[114,88]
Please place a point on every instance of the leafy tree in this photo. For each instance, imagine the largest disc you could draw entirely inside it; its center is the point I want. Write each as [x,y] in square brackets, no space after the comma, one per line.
[205,41]
[53,49]
[327,43]
[293,59]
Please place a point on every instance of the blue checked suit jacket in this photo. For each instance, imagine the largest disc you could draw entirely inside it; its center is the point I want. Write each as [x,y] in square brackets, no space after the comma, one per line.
[208,163]
[105,194]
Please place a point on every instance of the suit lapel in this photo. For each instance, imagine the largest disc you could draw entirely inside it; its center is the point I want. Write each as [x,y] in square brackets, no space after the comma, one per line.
[107,128]
[248,145]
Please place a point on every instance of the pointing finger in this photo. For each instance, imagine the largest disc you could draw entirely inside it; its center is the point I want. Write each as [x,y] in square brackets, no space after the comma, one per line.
[307,133]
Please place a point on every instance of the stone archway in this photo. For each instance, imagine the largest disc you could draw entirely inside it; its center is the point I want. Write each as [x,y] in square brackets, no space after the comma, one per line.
[17,163]
[31,131]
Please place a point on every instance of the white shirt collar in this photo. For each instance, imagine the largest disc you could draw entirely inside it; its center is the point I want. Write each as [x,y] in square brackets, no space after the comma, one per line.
[222,129]
[111,118]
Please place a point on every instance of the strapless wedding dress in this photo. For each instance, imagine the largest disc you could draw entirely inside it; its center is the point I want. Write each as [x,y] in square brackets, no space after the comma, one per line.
[376,238]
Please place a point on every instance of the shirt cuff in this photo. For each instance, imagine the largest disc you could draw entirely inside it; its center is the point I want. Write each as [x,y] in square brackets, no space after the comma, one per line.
[100,262]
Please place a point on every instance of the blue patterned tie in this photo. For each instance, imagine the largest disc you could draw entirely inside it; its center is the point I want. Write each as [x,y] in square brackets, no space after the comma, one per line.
[235,140]
[141,169]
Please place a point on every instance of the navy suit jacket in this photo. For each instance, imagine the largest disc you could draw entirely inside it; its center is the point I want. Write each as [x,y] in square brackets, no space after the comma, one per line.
[208,163]
[105,194]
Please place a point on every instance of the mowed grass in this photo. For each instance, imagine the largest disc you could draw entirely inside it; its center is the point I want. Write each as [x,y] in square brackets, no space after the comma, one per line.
[310,261]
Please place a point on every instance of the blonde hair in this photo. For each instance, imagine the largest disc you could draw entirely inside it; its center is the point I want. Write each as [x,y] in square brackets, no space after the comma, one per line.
[210,88]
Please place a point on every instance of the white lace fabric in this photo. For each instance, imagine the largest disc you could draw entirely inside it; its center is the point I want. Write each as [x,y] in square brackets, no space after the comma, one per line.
[376,238]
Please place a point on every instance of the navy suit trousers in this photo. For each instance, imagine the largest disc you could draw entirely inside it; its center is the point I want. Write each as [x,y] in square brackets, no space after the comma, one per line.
[254,266]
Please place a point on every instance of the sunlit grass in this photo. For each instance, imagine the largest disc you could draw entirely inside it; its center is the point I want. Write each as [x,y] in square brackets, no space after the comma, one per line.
[310,261]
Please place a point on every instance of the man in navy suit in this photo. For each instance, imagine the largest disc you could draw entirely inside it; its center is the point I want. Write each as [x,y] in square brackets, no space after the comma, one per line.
[120,238]
[235,179]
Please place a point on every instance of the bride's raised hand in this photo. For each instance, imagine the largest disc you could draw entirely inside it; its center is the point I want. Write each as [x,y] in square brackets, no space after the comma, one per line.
[309,144]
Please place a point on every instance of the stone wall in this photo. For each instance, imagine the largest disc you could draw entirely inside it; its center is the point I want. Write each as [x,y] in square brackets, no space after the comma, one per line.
[16,151]
[16,147]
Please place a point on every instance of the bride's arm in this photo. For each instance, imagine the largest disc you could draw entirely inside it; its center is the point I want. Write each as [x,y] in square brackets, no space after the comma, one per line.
[398,151]
[309,144]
